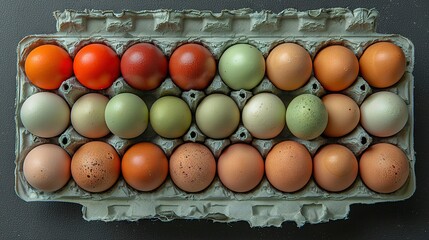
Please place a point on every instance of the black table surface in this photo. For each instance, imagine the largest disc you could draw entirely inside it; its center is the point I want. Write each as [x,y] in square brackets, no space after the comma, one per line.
[407,219]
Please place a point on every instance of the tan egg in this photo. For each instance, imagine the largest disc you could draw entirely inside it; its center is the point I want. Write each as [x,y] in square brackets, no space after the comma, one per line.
[289,66]
[192,167]
[47,167]
[240,167]
[96,166]
[382,64]
[335,168]
[384,168]
[336,67]
[288,166]
[343,114]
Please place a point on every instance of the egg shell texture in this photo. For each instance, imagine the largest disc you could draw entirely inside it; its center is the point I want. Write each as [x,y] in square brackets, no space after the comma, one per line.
[96,166]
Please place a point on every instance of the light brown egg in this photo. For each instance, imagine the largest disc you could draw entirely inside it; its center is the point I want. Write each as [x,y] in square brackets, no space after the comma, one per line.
[382,64]
[289,66]
[384,168]
[335,168]
[192,167]
[240,167]
[343,114]
[47,167]
[288,166]
[96,166]
[336,67]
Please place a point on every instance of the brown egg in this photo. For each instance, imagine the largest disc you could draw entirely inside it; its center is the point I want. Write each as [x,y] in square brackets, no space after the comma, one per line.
[96,166]
[335,168]
[289,66]
[382,64]
[336,67]
[47,167]
[384,168]
[192,167]
[343,114]
[288,166]
[240,167]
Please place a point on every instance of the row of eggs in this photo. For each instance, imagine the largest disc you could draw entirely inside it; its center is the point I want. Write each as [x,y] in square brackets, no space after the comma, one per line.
[264,115]
[192,66]
[96,167]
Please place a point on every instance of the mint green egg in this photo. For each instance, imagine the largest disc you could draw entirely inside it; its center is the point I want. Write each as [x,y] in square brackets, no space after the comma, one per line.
[306,116]
[242,66]
[126,115]
[170,117]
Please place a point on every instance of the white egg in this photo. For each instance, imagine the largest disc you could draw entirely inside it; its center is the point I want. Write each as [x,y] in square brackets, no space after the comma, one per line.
[383,114]
[264,115]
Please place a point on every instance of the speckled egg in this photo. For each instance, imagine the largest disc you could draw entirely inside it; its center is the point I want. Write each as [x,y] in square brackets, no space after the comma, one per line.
[96,166]
[306,116]
[192,167]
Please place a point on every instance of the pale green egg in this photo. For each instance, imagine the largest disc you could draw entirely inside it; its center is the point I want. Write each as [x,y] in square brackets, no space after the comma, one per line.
[242,66]
[126,115]
[306,116]
[170,117]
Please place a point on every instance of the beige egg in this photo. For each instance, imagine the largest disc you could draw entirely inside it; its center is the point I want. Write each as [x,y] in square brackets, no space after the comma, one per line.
[192,167]
[47,167]
[384,168]
[335,168]
[343,114]
[240,167]
[288,166]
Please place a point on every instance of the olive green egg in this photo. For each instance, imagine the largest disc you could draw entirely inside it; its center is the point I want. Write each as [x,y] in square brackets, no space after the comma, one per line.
[306,116]
[126,115]
[242,66]
[170,117]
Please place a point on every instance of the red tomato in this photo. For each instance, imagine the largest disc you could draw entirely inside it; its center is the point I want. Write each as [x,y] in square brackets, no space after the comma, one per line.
[144,66]
[192,66]
[144,166]
[96,66]
[47,66]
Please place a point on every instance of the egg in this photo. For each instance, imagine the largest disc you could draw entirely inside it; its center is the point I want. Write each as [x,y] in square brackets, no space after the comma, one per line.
[343,114]
[242,66]
[170,117]
[335,168]
[47,167]
[144,166]
[382,64]
[289,66]
[45,114]
[126,115]
[264,115]
[336,67]
[384,168]
[383,114]
[144,66]
[47,66]
[306,116]
[192,167]
[87,115]
[217,116]
[95,166]
[288,166]
[240,167]
[192,66]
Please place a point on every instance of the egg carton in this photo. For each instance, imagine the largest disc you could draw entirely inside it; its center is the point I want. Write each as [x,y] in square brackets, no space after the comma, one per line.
[263,206]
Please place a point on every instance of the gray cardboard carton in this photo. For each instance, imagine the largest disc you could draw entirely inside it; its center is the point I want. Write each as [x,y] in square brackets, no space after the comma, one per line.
[263,206]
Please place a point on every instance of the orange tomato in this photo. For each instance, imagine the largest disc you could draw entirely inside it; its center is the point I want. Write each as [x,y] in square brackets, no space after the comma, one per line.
[96,66]
[192,66]
[47,66]
[144,166]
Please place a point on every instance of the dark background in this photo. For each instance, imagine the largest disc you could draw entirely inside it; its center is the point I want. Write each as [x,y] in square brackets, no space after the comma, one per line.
[408,219]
